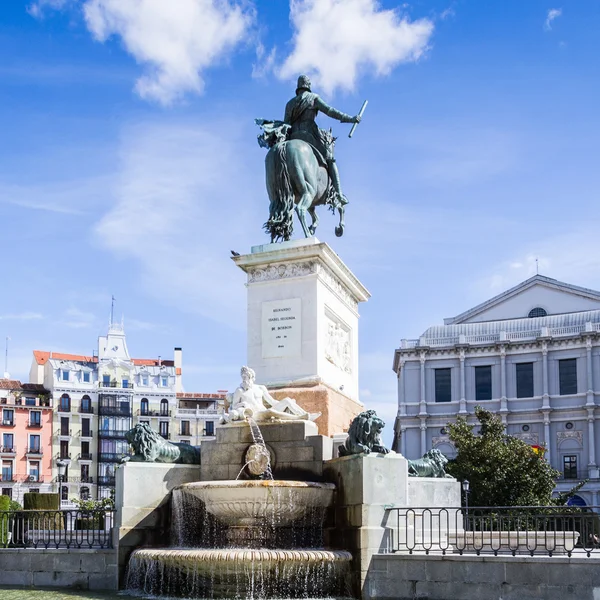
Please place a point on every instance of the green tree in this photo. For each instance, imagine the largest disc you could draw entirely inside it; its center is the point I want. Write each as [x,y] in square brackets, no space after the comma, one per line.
[502,470]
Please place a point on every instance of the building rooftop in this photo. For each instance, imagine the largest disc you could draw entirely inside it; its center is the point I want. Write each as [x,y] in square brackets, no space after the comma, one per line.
[42,357]
[16,385]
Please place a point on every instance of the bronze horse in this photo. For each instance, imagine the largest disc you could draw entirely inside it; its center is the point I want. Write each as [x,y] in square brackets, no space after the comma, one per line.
[296,180]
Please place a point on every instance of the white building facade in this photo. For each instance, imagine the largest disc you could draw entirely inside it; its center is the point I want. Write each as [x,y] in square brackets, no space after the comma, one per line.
[530,355]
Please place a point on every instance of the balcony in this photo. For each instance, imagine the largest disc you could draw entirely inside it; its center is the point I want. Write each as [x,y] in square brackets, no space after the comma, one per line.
[573,475]
[63,456]
[153,413]
[115,385]
[112,433]
[87,410]
[64,408]
[85,456]
[106,480]
[35,451]
[8,450]
[196,412]
[65,433]
[86,434]
[33,479]
[111,457]
[34,425]
[114,411]
[8,422]
[7,478]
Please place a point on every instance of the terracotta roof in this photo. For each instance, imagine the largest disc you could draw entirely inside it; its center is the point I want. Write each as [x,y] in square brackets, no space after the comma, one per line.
[42,358]
[15,384]
[200,395]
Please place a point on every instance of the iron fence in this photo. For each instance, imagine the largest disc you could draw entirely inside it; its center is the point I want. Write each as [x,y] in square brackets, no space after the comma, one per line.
[56,528]
[498,530]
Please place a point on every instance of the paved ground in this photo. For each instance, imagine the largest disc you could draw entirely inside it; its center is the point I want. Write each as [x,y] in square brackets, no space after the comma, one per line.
[25,594]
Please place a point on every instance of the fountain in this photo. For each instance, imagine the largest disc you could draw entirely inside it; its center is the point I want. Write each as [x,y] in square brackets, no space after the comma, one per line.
[251,537]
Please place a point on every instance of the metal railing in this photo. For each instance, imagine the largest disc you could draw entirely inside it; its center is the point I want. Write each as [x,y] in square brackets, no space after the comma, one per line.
[8,450]
[111,457]
[153,413]
[498,530]
[106,480]
[35,450]
[56,529]
[88,410]
[114,411]
[115,384]
[85,456]
[112,433]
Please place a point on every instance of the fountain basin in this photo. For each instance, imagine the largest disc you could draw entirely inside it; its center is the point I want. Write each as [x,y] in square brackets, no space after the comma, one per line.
[252,503]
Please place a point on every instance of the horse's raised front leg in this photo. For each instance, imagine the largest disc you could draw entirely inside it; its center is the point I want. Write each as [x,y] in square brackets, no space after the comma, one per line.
[339,230]
[315,220]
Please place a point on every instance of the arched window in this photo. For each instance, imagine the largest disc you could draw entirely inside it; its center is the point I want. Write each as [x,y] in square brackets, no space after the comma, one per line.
[64,493]
[144,407]
[538,311]
[84,493]
[65,403]
[164,407]
[86,404]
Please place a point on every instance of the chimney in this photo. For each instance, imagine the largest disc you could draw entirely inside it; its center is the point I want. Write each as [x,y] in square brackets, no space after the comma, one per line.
[178,360]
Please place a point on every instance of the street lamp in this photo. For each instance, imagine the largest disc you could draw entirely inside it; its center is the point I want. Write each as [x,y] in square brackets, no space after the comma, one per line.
[465,487]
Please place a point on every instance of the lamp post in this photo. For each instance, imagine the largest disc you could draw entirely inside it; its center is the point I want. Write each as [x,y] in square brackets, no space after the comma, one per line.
[62,469]
[465,487]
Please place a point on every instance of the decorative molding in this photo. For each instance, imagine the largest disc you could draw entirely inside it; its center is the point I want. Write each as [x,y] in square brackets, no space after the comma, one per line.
[561,436]
[441,440]
[337,286]
[528,438]
[282,271]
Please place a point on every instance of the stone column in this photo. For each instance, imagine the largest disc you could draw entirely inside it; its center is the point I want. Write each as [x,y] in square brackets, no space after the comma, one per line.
[547,439]
[401,389]
[423,435]
[545,387]
[503,401]
[422,399]
[463,401]
[403,441]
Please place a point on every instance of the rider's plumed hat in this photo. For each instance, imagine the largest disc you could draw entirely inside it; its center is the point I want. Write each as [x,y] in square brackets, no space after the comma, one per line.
[303,83]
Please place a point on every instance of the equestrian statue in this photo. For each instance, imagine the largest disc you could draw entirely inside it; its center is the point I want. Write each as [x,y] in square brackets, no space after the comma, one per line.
[300,167]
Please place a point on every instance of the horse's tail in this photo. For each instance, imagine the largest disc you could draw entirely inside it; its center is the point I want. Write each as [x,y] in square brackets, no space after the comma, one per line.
[279,185]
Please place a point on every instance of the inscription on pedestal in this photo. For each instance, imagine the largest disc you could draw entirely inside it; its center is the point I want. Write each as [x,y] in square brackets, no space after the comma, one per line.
[282,328]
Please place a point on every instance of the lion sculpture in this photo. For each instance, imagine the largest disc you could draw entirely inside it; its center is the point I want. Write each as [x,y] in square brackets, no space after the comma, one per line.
[149,446]
[364,435]
[432,464]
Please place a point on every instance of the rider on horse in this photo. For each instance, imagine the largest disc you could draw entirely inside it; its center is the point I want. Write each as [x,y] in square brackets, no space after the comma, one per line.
[301,112]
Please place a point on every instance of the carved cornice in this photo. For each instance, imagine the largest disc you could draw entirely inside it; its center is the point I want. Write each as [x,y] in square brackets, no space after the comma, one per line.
[337,286]
[282,271]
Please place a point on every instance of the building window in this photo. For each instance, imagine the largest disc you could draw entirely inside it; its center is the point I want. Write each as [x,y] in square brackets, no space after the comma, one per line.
[569,425]
[65,403]
[86,377]
[29,401]
[163,429]
[84,493]
[35,444]
[567,374]
[7,492]
[65,375]
[64,493]
[35,418]
[86,404]
[8,443]
[570,466]
[144,407]
[64,450]
[483,383]
[125,383]
[8,417]
[443,385]
[145,380]
[7,470]
[525,428]
[164,408]
[164,381]
[524,376]
[64,426]
[34,471]
[106,380]
[538,311]
[85,428]
[210,428]
[185,428]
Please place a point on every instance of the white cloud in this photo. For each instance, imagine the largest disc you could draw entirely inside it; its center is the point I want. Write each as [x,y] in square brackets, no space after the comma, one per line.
[336,41]
[553,13]
[175,41]
[24,316]
[265,61]
[36,9]
[78,319]
[179,211]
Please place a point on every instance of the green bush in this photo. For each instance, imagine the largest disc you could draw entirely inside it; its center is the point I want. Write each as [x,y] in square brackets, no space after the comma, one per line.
[4,521]
[4,503]
[41,501]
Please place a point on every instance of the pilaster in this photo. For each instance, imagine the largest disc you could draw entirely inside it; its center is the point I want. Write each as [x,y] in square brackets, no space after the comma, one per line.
[462,410]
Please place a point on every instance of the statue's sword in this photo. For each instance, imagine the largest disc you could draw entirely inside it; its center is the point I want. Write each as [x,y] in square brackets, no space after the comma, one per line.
[360,114]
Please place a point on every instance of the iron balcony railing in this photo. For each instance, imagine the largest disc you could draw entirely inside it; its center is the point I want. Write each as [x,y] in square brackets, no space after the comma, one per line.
[497,530]
[35,450]
[114,411]
[116,384]
[64,408]
[56,529]
[106,480]
[89,410]
[111,457]
[112,433]
[8,450]
[153,413]
[34,425]
[7,477]
[8,422]
[88,433]
[85,456]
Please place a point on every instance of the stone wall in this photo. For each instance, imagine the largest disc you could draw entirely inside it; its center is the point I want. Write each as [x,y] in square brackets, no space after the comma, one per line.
[403,577]
[80,569]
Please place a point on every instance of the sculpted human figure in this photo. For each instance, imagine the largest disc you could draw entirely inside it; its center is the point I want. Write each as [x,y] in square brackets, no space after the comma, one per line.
[253,400]
[301,112]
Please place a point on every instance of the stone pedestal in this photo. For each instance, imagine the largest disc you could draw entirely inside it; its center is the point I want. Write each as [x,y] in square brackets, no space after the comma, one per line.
[366,484]
[303,322]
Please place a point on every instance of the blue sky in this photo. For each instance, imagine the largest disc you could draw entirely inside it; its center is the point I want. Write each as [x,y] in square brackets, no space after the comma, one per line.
[129,163]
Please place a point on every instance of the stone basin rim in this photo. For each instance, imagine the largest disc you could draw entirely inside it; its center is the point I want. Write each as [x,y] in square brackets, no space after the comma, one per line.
[267,483]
